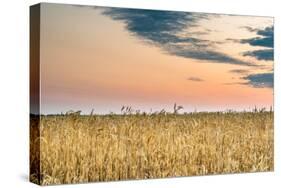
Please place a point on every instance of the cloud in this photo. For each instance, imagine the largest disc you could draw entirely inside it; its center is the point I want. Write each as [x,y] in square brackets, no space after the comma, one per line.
[251,29]
[267,32]
[195,79]
[233,40]
[154,25]
[265,39]
[261,54]
[162,29]
[205,54]
[259,41]
[262,80]
[239,71]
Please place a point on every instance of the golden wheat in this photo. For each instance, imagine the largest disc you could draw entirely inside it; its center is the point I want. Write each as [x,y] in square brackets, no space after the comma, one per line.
[77,148]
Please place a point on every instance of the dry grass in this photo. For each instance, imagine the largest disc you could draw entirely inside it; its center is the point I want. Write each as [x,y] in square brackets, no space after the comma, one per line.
[78,148]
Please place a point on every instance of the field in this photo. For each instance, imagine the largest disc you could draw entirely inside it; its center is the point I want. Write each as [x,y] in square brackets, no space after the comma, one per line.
[77,148]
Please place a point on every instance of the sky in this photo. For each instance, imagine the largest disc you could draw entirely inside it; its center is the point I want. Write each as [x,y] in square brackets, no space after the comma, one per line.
[104,58]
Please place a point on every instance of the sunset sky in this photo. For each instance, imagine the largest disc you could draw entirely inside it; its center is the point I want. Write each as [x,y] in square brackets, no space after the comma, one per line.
[102,58]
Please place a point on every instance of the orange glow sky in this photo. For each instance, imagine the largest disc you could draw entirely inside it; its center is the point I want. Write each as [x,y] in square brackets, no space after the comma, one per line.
[91,60]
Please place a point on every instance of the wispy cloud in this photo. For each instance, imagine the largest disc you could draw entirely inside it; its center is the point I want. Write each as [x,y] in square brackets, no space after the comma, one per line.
[251,29]
[195,79]
[239,71]
[162,28]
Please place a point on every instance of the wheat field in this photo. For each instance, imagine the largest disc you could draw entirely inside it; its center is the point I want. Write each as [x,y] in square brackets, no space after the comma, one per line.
[80,148]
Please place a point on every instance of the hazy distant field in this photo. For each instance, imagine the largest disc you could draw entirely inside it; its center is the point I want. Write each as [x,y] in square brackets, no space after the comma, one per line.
[78,148]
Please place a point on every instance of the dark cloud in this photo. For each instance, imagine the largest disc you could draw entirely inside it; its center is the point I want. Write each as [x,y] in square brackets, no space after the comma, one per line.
[195,79]
[267,32]
[162,28]
[265,39]
[262,80]
[261,54]
[259,41]
[154,25]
